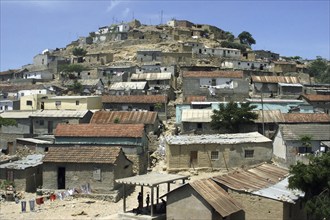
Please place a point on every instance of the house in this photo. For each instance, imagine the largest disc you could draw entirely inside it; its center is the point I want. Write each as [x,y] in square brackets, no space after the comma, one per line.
[261,55]
[321,103]
[45,121]
[263,193]
[39,76]
[218,151]
[283,67]
[22,129]
[128,88]
[149,55]
[6,105]
[71,103]
[71,167]
[180,23]
[290,145]
[202,199]
[216,85]
[177,58]
[216,52]
[114,74]
[25,174]
[300,118]
[27,92]
[268,120]
[148,118]
[284,105]
[33,102]
[137,102]
[10,75]
[283,86]
[245,65]
[99,58]
[189,46]
[123,28]
[197,121]
[130,137]
[90,86]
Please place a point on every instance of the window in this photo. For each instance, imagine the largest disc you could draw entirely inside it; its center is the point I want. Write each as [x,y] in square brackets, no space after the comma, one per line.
[10,175]
[97,174]
[239,63]
[29,102]
[88,73]
[214,155]
[41,122]
[57,103]
[6,107]
[248,153]
[77,102]
[214,82]
[248,64]
[22,94]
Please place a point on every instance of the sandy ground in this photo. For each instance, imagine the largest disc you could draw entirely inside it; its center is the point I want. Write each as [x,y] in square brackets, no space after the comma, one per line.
[84,208]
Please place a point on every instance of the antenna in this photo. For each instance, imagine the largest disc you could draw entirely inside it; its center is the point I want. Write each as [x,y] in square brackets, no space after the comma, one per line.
[161,17]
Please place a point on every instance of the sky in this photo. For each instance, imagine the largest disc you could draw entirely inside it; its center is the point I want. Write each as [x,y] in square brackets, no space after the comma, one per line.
[290,28]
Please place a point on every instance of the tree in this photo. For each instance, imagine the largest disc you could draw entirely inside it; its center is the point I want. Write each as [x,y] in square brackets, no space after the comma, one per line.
[246,38]
[7,122]
[79,52]
[230,37]
[314,180]
[233,45]
[319,69]
[67,70]
[77,87]
[231,116]
[306,141]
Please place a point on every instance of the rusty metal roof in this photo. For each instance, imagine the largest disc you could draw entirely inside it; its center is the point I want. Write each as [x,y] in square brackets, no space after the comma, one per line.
[213,74]
[270,116]
[135,99]
[306,118]
[82,154]
[275,79]
[253,179]
[317,98]
[124,117]
[190,99]
[217,197]
[99,130]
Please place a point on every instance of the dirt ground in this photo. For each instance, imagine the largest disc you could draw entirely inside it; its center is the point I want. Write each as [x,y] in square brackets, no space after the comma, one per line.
[84,208]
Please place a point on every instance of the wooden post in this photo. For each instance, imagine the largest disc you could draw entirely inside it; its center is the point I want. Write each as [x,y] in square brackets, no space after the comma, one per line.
[157,194]
[124,198]
[168,187]
[152,201]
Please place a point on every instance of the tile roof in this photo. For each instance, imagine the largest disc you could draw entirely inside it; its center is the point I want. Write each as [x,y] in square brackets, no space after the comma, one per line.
[124,117]
[217,197]
[147,99]
[317,98]
[275,79]
[253,179]
[318,132]
[82,154]
[306,117]
[213,74]
[99,130]
[190,99]
[60,113]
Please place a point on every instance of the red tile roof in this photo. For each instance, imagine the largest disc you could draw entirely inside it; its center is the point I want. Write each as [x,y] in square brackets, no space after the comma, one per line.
[306,118]
[99,130]
[82,154]
[190,99]
[124,117]
[275,79]
[213,74]
[135,99]
[317,98]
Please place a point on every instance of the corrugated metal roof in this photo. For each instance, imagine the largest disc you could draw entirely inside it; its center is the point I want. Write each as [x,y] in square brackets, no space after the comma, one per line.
[16,114]
[275,79]
[151,179]
[196,115]
[270,116]
[84,82]
[213,74]
[128,85]
[148,99]
[252,137]
[306,117]
[190,99]
[318,132]
[82,154]
[59,114]
[124,117]
[217,197]
[290,84]
[29,161]
[34,140]
[253,179]
[317,98]
[99,130]
[295,101]
[151,76]
[70,97]
[279,191]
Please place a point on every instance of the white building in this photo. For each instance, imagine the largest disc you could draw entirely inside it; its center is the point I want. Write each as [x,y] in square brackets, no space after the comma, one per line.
[245,65]
[123,28]
[217,52]
[21,93]
[6,105]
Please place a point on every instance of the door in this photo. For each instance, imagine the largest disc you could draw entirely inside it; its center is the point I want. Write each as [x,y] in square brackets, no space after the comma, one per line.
[50,127]
[193,159]
[42,106]
[61,178]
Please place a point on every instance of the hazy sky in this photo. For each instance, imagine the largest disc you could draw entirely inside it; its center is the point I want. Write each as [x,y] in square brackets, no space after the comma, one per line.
[291,28]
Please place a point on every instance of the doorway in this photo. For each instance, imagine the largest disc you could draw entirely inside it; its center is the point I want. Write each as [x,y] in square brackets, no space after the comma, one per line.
[50,127]
[61,178]
[193,159]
